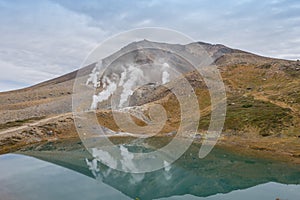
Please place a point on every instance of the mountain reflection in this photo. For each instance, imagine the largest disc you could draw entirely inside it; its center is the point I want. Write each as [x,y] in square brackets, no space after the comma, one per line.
[221,171]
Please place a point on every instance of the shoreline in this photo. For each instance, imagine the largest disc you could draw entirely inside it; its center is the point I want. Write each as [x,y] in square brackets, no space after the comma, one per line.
[277,149]
[61,127]
[283,150]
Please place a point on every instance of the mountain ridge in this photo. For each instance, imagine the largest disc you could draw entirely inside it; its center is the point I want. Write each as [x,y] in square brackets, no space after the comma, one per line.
[207,46]
[263,98]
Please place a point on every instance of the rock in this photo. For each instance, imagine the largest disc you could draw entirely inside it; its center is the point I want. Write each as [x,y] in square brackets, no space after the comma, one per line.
[198,136]
[49,132]
[171,133]
[144,94]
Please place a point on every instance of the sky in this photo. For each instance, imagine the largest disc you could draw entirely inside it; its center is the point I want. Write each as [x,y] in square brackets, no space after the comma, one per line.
[40,40]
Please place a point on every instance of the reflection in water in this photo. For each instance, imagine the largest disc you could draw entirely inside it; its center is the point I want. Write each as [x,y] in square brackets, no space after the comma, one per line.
[126,161]
[220,172]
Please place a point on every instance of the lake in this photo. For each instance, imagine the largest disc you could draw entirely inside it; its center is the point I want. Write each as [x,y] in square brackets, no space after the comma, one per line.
[62,170]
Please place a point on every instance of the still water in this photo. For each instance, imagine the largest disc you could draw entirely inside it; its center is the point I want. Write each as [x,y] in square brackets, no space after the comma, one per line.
[64,171]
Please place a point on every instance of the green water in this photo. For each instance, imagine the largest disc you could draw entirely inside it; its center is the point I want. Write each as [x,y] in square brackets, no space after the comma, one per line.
[61,171]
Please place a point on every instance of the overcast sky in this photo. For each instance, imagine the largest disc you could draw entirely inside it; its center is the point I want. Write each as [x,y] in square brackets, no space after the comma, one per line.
[40,40]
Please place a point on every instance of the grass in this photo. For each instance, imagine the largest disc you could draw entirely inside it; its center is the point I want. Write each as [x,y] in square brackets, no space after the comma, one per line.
[265,116]
[243,112]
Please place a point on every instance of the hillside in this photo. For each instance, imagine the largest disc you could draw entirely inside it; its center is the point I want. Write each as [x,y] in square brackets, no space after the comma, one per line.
[263,101]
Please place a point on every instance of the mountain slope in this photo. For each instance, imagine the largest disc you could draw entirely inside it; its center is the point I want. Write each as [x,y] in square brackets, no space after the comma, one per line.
[263,96]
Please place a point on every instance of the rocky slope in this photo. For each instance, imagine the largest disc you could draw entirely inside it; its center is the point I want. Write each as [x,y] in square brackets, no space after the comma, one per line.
[263,98]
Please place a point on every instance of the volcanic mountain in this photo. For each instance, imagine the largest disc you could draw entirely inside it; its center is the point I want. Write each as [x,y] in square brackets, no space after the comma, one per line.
[263,99]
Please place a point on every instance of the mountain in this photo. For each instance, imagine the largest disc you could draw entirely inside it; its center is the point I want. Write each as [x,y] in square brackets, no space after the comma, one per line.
[263,96]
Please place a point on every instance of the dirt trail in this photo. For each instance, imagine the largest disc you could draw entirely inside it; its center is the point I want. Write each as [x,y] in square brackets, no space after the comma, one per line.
[36,123]
[258,96]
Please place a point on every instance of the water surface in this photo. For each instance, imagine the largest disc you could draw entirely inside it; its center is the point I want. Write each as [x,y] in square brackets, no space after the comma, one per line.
[65,170]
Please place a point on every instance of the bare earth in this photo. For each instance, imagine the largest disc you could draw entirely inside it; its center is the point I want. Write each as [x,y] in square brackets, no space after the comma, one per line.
[263,103]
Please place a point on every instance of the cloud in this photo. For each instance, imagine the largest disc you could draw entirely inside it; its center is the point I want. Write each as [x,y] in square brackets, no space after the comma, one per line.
[53,37]
[7,85]
[269,28]
[42,40]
